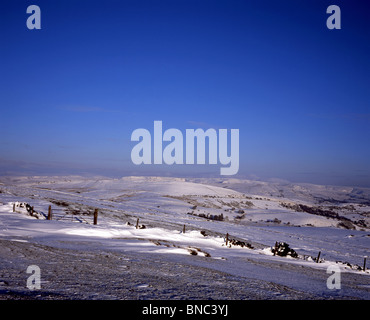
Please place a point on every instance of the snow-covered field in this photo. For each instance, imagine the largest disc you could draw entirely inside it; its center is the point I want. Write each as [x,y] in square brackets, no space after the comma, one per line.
[153,258]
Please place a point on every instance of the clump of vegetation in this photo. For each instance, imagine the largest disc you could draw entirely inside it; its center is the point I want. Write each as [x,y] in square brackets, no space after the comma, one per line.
[282,249]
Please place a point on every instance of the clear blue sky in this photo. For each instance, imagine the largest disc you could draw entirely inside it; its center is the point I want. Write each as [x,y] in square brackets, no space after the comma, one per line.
[72,92]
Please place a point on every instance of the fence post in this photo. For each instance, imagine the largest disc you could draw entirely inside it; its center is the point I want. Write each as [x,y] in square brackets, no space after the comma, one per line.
[318,257]
[227,238]
[49,214]
[275,248]
[137,223]
[364,264]
[32,211]
[14,207]
[96,216]
[183,229]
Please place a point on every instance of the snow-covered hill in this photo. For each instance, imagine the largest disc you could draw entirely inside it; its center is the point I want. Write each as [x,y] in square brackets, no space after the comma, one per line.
[230,225]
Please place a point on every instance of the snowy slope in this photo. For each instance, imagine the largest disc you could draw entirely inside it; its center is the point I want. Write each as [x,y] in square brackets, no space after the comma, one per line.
[208,212]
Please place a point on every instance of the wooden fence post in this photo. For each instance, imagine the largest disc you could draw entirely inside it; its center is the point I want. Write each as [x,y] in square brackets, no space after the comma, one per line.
[14,207]
[318,257]
[275,248]
[227,238]
[137,223]
[364,264]
[49,214]
[183,229]
[96,216]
